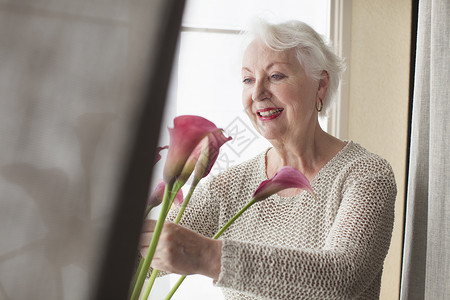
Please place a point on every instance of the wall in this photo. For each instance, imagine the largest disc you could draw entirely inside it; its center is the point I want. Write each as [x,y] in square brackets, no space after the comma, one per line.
[378,104]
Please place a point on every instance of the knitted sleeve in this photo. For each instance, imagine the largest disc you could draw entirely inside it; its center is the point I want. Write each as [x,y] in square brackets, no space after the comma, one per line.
[344,268]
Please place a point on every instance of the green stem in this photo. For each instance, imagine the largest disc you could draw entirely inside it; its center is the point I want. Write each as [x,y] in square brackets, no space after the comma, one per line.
[150,283]
[176,188]
[185,202]
[215,237]
[147,210]
[219,233]
[152,247]
[175,287]
[133,283]
[152,278]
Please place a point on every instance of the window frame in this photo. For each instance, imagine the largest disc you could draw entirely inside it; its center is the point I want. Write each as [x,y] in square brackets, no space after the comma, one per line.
[340,35]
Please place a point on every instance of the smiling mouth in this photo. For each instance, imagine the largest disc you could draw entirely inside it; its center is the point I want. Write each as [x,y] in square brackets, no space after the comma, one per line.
[270,113]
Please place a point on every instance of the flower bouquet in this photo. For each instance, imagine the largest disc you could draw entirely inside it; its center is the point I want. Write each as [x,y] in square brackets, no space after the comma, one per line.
[193,149]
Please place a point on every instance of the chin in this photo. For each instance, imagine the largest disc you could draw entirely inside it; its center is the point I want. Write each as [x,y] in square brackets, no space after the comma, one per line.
[269,134]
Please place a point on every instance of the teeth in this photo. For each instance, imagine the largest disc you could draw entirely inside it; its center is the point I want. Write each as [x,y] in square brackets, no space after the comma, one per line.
[268,113]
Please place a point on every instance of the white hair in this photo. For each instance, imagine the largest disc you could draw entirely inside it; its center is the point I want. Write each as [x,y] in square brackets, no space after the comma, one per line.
[314,55]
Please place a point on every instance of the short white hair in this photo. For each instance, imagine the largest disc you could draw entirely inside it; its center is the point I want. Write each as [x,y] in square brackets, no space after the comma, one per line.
[313,53]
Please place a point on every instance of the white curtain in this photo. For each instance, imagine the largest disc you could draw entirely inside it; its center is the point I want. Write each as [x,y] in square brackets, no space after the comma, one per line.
[426,260]
[76,127]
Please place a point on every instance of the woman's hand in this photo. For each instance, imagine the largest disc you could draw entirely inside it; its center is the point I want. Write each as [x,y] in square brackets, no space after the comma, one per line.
[182,251]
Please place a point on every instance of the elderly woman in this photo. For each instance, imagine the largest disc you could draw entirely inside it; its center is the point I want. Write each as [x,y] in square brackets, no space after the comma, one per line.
[289,246]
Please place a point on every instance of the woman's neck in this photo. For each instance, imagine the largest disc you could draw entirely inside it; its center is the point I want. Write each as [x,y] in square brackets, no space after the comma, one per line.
[308,156]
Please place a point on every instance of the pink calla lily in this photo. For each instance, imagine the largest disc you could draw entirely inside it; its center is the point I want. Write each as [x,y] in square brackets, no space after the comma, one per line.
[158,150]
[209,153]
[156,197]
[286,177]
[178,198]
[189,166]
[187,132]
[203,157]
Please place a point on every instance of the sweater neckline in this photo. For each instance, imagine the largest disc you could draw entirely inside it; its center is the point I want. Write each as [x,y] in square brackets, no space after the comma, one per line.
[324,169]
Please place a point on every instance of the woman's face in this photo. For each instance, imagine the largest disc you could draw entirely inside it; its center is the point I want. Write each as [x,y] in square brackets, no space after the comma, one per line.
[277,95]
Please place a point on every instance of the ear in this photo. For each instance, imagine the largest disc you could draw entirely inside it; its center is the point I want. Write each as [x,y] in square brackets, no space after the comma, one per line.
[323,85]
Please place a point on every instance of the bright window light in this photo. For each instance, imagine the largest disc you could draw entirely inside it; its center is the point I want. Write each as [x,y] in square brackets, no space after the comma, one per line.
[206,81]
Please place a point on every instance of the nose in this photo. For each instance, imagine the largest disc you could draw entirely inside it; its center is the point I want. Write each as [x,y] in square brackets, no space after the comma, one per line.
[260,91]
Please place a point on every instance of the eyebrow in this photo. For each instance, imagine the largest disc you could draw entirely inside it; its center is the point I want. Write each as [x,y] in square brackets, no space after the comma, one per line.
[270,65]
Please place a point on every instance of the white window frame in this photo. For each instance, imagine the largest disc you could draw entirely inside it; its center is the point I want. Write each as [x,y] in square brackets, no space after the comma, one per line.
[340,36]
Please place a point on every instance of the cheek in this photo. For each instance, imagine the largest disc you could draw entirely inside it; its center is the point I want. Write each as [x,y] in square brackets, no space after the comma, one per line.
[298,96]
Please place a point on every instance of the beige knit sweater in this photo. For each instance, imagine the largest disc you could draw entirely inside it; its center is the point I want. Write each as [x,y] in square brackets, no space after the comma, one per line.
[295,247]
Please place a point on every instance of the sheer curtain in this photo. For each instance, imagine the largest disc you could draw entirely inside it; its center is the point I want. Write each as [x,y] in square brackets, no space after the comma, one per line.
[426,260]
[82,89]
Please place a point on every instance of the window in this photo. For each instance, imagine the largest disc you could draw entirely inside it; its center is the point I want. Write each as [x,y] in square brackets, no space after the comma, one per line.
[206,81]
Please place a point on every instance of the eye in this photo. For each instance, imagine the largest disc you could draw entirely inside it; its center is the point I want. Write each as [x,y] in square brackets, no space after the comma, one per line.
[247,80]
[277,76]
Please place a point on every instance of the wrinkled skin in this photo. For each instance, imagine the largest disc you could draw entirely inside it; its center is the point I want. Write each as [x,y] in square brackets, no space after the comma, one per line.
[182,251]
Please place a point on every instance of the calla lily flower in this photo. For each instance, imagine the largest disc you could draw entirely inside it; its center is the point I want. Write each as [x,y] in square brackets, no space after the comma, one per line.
[189,166]
[157,196]
[209,154]
[158,156]
[203,157]
[187,132]
[286,177]
[178,198]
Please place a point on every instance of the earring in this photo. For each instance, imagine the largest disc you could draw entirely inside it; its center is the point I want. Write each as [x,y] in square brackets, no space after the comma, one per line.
[319,109]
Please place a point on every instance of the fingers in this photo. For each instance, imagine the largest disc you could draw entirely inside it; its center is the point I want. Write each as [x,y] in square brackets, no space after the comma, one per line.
[146,236]
[145,239]
[181,250]
[148,225]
